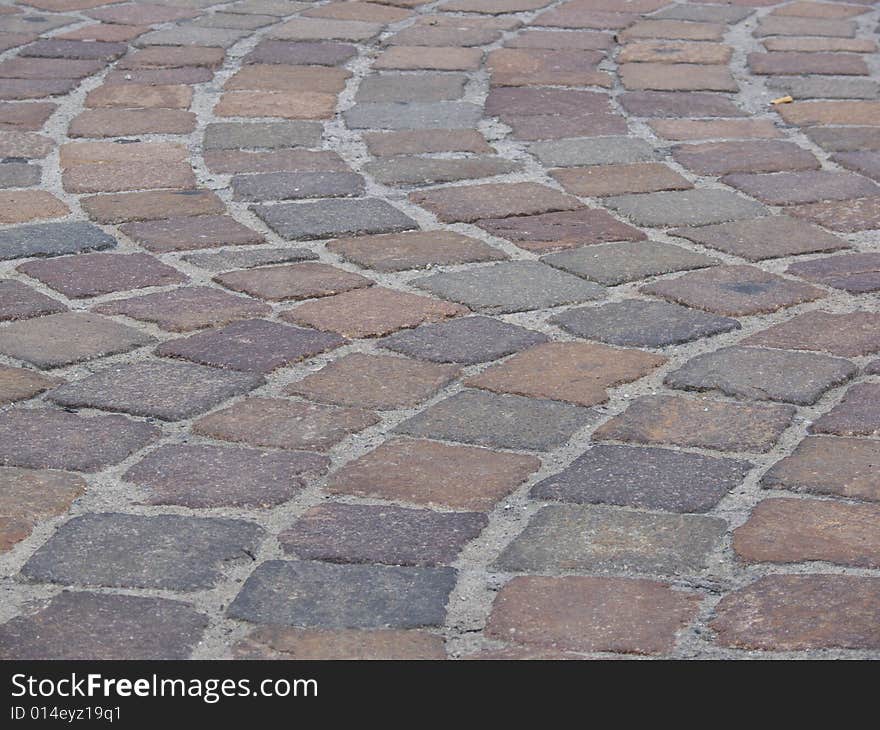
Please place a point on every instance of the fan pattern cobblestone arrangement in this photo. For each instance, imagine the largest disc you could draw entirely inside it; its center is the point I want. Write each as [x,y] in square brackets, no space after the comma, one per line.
[463,329]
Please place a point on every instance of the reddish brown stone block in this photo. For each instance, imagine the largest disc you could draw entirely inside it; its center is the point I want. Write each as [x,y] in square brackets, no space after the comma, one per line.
[186,234]
[850,335]
[602,180]
[280,642]
[293,281]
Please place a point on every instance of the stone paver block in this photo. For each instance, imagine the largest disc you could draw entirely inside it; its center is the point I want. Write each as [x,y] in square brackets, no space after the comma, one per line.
[759,374]
[333,218]
[262,135]
[848,216]
[53,439]
[566,229]
[133,551]
[93,274]
[665,52]
[469,340]
[52,239]
[801,530]
[29,496]
[292,281]
[850,335]
[722,158]
[404,87]
[63,339]
[413,115]
[603,180]
[191,232]
[413,250]
[734,290]
[252,345]
[311,594]
[638,323]
[699,129]
[221,476]
[798,612]
[248,258]
[434,474]
[618,263]
[702,423]
[592,151]
[626,615]
[574,372]
[279,642]
[764,238]
[171,391]
[19,301]
[419,141]
[22,383]
[644,477]
[374,381]
[511,287]
[292,186]
[284,424]
[676,77]
[103,626]
[505,421]
[540,66]
[466,204]
[125,207]
[786,62]
[856,273]
[847,467]
[698,207]
[354,533]
[785,188]
[372,312]
[598,539]
[187,308]
[858,414]
[308,53]
[406,170]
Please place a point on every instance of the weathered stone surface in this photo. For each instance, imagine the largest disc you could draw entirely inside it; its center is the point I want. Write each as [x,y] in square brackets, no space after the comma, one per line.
[704,423]
[591,614]
[721,158]
[296,185]
[52,439]
[353,533]
[785,188]
[133,551]
[415,250]
[617,263]
[248,258]
[858,414]
[323,595]
[252,345]
[592,151]
[853,334]
[574,372]
[423,141]
[168,390]
[697,129]
[759,374]
[309,53]
[22,383]
[798,612]
[187,308]
[511,287]
[856,273]
[402,87]
[677,77]
[374,381]
[413,115]
[466,204]
[801,530]
[278,642]
[847,467]
[125,207]
[734,290]
[468,340]
[697,207]
[29,496]
[63,339]
[678,104]
[764,238]
[647,478]
[52,239]
[292,281]
[262,135]
[102,626]
[371,312]
[192,232]
[19,301]
[406,170]
[222,476]
[822,88]
[93,274]
[284,424]
[566,229]
[506,421]
[434,474]
[333,218]
[616,179]
[638,323]
[607,539]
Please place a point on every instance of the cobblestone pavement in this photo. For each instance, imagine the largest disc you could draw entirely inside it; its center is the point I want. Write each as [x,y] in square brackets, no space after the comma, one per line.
[468,329]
